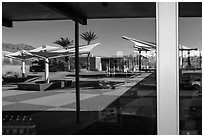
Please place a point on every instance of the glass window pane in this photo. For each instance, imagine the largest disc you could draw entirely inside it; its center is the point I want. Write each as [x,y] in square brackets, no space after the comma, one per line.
[117,77]
[190,74]
[126,84]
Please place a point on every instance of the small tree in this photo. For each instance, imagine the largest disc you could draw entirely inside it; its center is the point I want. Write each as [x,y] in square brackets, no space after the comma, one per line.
[65,42]
[88,36]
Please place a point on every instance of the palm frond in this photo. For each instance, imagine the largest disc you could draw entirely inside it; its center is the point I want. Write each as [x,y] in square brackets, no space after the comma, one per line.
[88,36]
[64,42]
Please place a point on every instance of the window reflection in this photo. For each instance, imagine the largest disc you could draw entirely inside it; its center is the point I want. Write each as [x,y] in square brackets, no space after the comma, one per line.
[190,76]
[117,87]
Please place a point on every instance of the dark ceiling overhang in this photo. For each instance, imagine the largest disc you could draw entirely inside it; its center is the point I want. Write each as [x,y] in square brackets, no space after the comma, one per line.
[7,23]
[68,10]
[81,11]
[190,9]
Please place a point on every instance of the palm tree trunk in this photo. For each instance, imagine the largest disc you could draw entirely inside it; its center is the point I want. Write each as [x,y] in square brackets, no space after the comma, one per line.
[88,61]
[68,63]
[140,61]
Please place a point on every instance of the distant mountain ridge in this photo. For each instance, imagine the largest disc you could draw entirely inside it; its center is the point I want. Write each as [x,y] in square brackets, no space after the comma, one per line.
[15,47]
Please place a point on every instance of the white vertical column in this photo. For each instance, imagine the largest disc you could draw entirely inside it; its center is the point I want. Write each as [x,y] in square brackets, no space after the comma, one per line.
[46,70]
[167,68]
[23,68]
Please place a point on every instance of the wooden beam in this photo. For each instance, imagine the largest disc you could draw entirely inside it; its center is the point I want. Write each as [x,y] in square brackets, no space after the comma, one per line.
[67,10]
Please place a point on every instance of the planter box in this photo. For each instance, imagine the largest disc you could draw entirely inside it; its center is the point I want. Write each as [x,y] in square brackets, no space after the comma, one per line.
[42,86]
[17,79]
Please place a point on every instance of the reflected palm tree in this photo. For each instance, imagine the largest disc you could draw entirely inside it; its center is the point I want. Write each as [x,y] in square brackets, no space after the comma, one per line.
[65,43]
[88,36]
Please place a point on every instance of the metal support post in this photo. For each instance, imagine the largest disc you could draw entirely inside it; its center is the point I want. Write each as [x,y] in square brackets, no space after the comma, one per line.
[47,70]
[77,72]
[23,68]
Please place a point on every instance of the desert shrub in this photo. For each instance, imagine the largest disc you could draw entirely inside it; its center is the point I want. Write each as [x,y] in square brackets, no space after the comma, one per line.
[11,74]
[16,62]
[6,61]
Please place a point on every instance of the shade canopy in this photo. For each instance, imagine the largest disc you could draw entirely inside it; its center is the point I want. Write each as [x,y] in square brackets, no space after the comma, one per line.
[55,52]
[141,45]
[49,52]
[184,48]
[44,51]
[45,48]
[141,49]
[148,46]
[22,55]
[82,49]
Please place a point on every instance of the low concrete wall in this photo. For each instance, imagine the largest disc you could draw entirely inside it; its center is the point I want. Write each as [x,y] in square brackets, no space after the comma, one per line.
[42,86]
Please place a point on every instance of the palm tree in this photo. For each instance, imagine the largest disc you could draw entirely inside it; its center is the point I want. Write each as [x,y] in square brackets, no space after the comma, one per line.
[88,36]
[65,43]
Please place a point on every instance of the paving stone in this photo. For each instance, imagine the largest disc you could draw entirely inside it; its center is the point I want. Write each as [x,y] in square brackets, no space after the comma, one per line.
[28,96]
[24,107]
[58,100]
[97,103]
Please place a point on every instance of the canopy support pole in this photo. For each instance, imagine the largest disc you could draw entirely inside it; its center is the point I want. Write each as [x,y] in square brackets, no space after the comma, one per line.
[77,72]
[23,68]
[88,61]
[46,70]
[140,61]
[189,60]
[181,59]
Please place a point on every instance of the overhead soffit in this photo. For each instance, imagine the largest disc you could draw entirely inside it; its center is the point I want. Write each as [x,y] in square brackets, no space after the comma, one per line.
[190,9]
[97,10]
[28,11]
[25,11]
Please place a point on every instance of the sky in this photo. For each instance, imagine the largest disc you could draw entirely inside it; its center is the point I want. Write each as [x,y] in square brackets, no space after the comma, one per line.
[108,31]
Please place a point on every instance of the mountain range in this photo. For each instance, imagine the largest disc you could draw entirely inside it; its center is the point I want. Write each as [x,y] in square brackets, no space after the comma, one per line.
[15,47]
[8,48]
